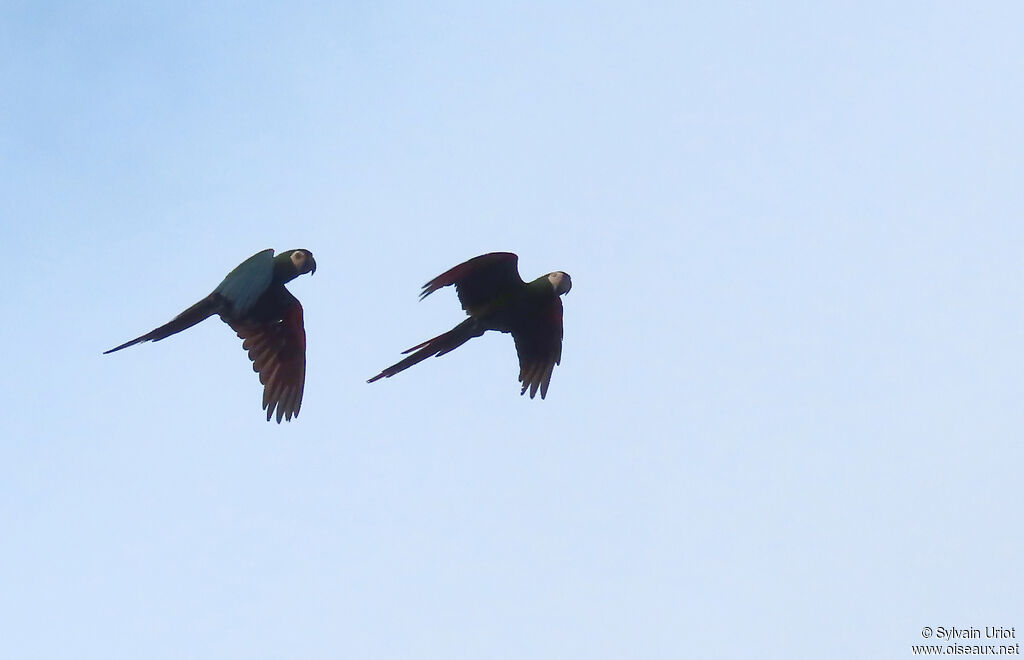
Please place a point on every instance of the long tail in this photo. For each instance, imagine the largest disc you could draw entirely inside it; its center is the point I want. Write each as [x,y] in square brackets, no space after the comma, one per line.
[439,345]
[200,311]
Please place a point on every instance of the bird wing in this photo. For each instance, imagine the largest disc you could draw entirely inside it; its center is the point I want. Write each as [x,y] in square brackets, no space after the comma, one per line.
[277,349]
[479,280]
[243,286]
[539,345]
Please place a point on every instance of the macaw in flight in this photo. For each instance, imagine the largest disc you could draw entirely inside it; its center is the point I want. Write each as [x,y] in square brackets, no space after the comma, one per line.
[496,298]
[253,300]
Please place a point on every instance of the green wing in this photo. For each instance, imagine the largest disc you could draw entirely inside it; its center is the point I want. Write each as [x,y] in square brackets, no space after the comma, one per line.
[247,282]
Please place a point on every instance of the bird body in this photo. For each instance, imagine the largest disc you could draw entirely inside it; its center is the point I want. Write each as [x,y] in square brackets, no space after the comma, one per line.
[496,298]
[253,300]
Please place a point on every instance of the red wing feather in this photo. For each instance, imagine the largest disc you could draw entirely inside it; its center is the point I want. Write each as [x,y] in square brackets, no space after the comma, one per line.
[539,346]
[278,353]
[479,280]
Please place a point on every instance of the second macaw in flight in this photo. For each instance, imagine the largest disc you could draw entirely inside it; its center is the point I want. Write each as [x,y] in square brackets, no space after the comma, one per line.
[496,298]
[253,300]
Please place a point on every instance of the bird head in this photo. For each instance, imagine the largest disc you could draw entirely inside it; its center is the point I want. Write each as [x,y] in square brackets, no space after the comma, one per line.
[303,261]
[560,281]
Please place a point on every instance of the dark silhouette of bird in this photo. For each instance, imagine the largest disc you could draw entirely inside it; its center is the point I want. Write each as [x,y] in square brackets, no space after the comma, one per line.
[253,300]
[496,298]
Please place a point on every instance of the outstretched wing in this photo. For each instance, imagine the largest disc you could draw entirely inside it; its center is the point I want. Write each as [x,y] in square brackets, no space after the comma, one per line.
[539,345]
[243,286]
[479,280]
[277,349]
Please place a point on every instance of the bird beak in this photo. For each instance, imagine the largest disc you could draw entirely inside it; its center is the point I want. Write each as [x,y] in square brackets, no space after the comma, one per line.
[313,270]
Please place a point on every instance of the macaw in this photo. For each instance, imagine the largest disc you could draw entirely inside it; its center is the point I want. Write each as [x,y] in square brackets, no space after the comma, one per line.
[496,298]
[253,300]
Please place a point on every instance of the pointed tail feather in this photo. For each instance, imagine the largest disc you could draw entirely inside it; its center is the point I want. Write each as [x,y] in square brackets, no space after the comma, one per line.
[439,345]
[198,312]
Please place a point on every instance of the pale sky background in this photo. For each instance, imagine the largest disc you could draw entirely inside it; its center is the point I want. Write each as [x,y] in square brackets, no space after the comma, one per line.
[787,422]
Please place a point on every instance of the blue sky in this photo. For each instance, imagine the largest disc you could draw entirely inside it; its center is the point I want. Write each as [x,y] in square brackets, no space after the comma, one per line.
[787,419]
